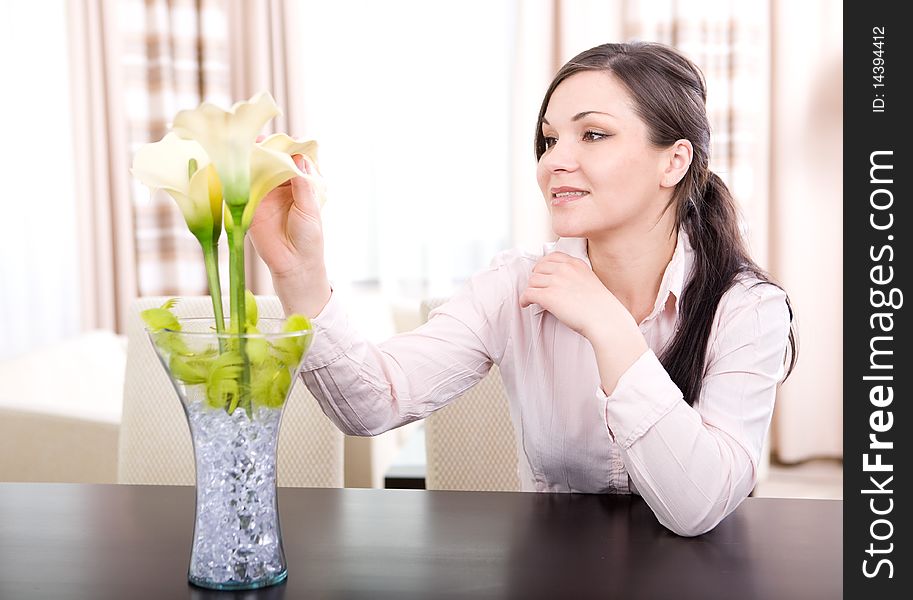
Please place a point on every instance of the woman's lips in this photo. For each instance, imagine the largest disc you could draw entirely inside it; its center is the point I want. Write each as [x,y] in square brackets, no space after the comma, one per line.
[563,198]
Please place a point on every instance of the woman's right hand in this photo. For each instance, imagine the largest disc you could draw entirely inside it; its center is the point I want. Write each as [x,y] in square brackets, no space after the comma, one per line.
[287,233]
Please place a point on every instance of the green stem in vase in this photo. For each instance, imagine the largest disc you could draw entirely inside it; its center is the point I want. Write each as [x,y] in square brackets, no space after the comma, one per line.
[238,309]
[211,258]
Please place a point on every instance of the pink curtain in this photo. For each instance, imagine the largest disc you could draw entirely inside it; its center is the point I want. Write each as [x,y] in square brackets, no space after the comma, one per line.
[103,211]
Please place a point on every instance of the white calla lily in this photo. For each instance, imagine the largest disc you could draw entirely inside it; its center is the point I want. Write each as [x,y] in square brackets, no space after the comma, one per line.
[182,168]
[271,164]
[228,138]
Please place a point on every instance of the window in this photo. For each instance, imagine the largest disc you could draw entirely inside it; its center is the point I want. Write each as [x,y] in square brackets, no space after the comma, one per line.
[39,297]
[410,102]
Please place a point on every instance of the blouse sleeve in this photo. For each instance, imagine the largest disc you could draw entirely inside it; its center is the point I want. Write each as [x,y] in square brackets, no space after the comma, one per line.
[695,465]
[366,389]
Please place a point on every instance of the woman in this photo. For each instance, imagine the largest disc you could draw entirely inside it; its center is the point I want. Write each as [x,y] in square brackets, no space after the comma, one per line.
[641,352]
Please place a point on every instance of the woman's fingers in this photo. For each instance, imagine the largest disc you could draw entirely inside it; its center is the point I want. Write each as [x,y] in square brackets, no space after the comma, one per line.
[560,264]
[307,166]
[539,280]
[308,191]
[527,297]
[305,195]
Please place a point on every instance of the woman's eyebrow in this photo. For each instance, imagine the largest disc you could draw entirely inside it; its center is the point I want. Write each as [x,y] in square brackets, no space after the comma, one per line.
[580,115]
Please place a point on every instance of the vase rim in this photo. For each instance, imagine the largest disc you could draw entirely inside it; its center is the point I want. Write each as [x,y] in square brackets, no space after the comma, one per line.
[227,335]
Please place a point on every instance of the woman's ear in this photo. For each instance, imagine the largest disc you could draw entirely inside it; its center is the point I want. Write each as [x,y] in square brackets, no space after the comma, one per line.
[679,157]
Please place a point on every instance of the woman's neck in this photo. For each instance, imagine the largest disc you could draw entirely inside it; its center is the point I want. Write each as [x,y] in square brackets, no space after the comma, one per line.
[632,266]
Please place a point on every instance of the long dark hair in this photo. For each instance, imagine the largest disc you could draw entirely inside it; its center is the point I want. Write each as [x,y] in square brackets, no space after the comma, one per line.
[669,95]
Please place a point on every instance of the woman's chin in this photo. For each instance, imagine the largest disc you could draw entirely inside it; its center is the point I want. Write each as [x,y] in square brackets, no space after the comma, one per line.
[568,230]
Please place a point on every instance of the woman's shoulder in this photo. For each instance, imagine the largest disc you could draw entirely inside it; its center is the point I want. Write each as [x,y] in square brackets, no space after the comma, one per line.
[489,301]
[503,279]
[750,287]
[753,316]
[508,268]
[754,296]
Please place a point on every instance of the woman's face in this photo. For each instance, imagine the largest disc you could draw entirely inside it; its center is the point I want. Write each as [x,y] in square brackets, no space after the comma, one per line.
[599,173]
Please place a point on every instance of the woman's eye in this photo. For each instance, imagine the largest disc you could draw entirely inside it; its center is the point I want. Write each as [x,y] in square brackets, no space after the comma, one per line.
[550,141]
[592,136]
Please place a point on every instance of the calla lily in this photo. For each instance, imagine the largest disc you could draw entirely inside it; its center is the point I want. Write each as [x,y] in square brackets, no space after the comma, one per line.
[182,168]
[271,164]
[228,138]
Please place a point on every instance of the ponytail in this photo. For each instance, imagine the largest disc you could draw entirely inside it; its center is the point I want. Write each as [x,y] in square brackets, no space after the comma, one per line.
[711,222]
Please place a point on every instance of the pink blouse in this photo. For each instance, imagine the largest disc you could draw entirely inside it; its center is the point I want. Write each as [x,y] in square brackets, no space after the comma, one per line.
[692,465]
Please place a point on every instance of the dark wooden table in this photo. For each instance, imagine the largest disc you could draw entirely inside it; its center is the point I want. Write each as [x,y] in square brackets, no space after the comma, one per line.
[132,542]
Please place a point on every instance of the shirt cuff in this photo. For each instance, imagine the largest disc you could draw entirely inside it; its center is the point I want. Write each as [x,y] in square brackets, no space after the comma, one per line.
[644,394]
[333,336]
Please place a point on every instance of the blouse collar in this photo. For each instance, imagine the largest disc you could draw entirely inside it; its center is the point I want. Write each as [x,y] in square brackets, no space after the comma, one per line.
[674,276]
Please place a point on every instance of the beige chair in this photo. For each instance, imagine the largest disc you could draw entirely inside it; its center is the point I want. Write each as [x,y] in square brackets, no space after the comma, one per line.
[470,443]
[155,446]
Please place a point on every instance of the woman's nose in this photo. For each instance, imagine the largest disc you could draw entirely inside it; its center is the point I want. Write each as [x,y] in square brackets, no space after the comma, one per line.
[560,157]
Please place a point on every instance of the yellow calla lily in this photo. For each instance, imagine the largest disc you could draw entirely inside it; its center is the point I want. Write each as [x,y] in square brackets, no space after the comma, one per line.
[228,138]
[270,165]
[182,168]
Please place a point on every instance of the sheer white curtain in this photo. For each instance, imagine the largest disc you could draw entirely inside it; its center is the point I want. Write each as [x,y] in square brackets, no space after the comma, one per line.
[39,293]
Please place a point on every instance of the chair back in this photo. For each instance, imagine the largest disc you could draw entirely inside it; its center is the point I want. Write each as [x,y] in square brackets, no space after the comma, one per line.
[470,443]
[155,447]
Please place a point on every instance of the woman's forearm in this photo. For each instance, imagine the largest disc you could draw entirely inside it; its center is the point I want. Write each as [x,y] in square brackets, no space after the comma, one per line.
[694,465]
[692,476]
[617,346]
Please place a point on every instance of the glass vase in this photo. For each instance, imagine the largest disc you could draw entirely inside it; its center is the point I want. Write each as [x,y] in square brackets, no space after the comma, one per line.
[234,389]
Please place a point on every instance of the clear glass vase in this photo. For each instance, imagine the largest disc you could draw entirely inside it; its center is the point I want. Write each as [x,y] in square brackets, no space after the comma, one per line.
[234,389]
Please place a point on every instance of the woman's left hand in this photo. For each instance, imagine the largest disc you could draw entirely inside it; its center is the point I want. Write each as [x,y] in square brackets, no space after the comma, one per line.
[569,289]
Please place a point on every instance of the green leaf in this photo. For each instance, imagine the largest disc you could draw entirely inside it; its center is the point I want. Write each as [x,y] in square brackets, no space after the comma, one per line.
[257,348]
[222,393]
[222,388]
[250,307]
[234,397]
[296,322]
[291,349]
[171,343]
[158,319]
[189,370]
[270,383]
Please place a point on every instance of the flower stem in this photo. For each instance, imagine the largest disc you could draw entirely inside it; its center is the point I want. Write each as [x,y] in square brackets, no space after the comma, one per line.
[238,310]
[211,258]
